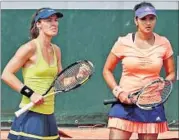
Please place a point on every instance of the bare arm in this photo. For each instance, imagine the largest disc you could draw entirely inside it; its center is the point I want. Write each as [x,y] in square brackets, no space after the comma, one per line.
[108,69]
[58,54]
[169,68]
[65,81]
[17,61]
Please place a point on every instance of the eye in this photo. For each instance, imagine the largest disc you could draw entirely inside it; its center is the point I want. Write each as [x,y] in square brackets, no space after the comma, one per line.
[48,20]
[152,18]
[144,18]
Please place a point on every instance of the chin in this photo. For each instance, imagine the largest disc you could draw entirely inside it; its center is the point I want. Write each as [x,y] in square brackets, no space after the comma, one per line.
[53,34]
[148,32]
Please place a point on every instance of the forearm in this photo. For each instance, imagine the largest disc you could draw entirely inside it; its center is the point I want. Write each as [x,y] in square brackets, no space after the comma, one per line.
[171,76]
[109,78]
[11,80]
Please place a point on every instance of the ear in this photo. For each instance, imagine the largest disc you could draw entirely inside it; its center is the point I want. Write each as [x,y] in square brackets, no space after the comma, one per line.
[38,25]
[135,21]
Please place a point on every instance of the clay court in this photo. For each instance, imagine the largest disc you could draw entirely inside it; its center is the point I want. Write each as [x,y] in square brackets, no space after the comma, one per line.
[97,133]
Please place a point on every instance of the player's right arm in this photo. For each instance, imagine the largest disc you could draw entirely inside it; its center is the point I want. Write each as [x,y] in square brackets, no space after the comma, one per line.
[108,69]
[20,58]
[110,65]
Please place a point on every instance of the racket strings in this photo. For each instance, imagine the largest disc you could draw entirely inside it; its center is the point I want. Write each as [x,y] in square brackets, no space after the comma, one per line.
[155,94]
[73,76]
[151,95]
[166,90]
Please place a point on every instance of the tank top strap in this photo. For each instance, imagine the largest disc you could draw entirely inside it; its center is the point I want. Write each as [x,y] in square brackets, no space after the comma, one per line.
[38,48]
[40,52]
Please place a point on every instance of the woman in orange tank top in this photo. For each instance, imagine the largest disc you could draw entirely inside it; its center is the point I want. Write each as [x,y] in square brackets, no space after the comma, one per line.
[142,55]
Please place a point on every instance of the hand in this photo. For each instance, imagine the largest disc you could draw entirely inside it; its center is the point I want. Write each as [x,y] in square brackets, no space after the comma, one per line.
[116,91]
[123,97]
[161,78]
[37,99]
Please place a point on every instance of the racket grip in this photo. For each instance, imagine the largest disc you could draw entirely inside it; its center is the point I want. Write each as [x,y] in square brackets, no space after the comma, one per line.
[24,109]
[31,104]
[110,101]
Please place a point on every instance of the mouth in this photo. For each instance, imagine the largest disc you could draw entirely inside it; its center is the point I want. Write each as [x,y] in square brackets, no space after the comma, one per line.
[54,29]
[148,28]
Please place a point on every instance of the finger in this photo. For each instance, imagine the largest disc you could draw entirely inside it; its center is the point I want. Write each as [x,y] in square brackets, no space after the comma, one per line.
[133,100]
[40,101]
[37,102]
[130,102]
[122,100]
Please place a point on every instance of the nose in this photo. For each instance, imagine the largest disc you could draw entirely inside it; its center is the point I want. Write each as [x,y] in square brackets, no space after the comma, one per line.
[148,22]
[55,23]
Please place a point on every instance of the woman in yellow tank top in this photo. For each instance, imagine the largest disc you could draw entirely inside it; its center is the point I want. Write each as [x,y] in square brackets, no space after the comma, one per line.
[40,61]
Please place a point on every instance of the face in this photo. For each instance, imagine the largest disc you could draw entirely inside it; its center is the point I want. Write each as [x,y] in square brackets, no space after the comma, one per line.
[146,24]
[49,26]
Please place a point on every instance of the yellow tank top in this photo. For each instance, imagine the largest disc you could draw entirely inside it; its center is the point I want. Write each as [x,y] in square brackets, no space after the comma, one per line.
[39,77]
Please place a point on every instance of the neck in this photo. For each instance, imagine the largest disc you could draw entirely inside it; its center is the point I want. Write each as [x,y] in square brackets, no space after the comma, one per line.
[144,36]
[45,41]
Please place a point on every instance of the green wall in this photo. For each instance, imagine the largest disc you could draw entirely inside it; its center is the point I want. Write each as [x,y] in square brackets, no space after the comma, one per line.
[84,34]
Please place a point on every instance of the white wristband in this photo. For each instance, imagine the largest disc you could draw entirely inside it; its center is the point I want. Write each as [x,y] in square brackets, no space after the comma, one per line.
[116,91]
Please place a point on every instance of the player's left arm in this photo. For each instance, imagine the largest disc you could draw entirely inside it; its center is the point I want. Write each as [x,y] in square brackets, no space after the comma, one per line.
[58,55]
[169,68]
[66,81]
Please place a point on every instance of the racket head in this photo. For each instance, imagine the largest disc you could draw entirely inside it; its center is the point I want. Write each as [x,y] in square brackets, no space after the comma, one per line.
[154,94]
[73,76]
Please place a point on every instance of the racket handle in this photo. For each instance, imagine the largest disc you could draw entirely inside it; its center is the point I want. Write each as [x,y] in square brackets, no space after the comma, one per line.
[24,109]
[31,104]
[110,101]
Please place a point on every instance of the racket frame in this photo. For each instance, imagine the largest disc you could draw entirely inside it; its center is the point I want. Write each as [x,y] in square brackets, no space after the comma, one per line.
[157,104]
[31,104]
[138,93]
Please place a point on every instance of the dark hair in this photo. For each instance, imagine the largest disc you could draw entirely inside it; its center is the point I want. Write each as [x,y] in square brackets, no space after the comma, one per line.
[34,31]
[142,4]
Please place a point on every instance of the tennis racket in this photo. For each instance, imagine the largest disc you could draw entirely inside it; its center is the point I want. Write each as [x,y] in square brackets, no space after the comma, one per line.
[151,95]
[68,79]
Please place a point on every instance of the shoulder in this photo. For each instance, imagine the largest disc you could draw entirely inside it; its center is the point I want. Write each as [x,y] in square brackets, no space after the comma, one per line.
[56,48]
[57,51]
[122,44]
[29,47]
[124,40]
[127,36]
[161,39]
[165,45]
